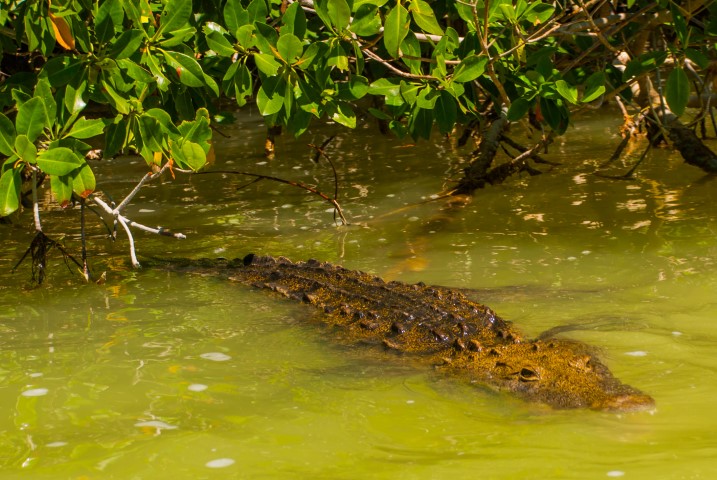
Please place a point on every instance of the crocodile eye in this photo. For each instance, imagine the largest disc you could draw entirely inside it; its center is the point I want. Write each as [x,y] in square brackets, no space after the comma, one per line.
[528,375]
[581,363]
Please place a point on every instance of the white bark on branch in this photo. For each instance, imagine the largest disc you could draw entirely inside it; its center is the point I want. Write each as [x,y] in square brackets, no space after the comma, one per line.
[127,223]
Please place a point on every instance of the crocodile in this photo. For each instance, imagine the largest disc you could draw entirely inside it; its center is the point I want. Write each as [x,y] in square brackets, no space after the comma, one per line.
[437,326]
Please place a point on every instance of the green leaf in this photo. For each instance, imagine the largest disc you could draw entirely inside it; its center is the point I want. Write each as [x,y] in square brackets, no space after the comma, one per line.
[426,98]
[567,91]
[677,91]
[265,38]
[409,92]
[58,161]
[420,123]
[337,57]
[508,11]
[190,155]
[289,47]
[178,37]
[151,133]
[31,118]
[115,137]
[313,51]
[244,82]
[20,96]
[245,36]
[518,109]
[294,21]
[470,68]
[174,16]
[84,128]
[538,12]
[235,15]
[135,72]
[698,57]
[358,86]
[126,44]
[300,120]
[395,29]
[321,8]
[10,182]
[445,112]
[188,69]
[62,70]
[266,64]
[388,87]
[136,10]
[358,56]
[61,189]
[270,97]
[118,102]
[594,87]
[412,47]
[153,65]
[74,100]
[339,13]
[44,91]
[164,119]
[257,11]
[379,114]
[219,43]
[197,130]
[109,15]
[25,149]
[7,135]
[679,24]
[367,21]
[78,146]
[211,83]
[424,17]
[83,182]
[344,115]
[554,113]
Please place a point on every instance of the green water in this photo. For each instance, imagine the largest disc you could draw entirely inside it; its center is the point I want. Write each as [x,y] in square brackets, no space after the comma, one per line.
[158,375]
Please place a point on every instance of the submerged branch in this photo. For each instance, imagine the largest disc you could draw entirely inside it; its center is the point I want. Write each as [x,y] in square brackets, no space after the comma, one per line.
[313,190]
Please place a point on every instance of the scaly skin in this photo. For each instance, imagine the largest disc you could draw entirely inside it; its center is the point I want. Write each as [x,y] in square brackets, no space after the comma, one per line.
[441,327]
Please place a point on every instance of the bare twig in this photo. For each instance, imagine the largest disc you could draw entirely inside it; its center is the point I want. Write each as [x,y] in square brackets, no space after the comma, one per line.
[320,152]
[536,158]
[126,223]
[332,201]
[394,69]
[145,179]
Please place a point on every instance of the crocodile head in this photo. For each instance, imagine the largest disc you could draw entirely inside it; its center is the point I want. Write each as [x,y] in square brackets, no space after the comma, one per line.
[558,373]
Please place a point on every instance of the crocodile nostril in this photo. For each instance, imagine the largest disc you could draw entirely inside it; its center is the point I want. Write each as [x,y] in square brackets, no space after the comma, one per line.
[528,375]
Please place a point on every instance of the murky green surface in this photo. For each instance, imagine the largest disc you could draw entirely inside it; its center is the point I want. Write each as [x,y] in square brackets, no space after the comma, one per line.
[157,375]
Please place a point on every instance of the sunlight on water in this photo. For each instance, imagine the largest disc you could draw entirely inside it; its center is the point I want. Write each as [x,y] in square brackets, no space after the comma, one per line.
[158,375]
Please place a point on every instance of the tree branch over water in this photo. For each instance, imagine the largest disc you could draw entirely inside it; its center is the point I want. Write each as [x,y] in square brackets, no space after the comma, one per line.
[258,177]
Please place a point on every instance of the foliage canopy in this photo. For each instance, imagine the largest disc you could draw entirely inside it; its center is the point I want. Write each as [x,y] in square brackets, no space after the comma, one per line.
[147,75]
